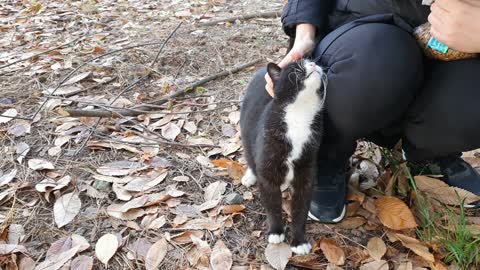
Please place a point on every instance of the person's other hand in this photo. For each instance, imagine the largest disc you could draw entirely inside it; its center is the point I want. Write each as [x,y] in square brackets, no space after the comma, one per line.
[456,23]
[304,44]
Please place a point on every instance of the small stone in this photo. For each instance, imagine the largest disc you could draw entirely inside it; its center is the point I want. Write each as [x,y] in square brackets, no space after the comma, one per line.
[234,198]
[7,101]
[102,185]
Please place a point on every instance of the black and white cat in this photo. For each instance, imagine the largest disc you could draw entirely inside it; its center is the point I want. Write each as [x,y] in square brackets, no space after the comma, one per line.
[281,137]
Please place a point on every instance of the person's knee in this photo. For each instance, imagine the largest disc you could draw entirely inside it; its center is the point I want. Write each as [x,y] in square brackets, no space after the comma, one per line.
[373,72]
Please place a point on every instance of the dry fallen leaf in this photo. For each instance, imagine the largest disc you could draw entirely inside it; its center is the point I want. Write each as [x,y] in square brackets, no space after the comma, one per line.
[416,246]
[394,213]
[156,254]
[230,209]
[350,223]
[170,131]
[221,258]
[138,184]
[57,261]
[278,255]
[77,78]
[82,262]
[376,265]
[106,247]
[40,164]
[215,190]
[6,178]
[376,248]
[8,249]
[443,192]
[332,251]
[7,116]
[200,254]
[405,266]
[66,208]
[185,237]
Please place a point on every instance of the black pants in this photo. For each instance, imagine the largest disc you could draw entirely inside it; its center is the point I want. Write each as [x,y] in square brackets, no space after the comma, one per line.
[381,88]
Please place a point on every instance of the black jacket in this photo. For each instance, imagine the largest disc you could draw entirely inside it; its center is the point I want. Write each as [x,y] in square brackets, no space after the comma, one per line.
[327,15]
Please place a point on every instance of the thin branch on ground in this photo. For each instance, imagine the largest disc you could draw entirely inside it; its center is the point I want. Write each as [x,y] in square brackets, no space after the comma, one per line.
[85,63]
[270,14]
[146,108]
[41,53]
[94,127]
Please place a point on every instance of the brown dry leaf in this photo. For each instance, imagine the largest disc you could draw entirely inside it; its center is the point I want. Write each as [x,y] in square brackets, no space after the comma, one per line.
[180,219]
[57,261]
[234,208]
[37,164]
[438,265]
[8,177]
[119,146]
[376,248]
[405,266]
[215,190]
[157,223]
[222,163]
[234,117]
[185,237]
[115,210]
[26,263]
[82,262]
[170,131]
[9,249]
[278,255]
[59,246]
[443,192]
[181,178]
[332,251]
[199,256]
[208,205]
[376,265]
[351,223]
[66,208]
[416,246]
[120,168]
[221,258]
[309,261]
[8,116]
[106,247]
[156,254]
[202,224]
[138,184]
[236,171]
[121,193]
[77,78]
[394,213]
[199,141]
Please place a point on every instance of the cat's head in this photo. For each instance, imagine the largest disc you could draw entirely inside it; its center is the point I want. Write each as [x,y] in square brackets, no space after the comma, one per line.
[301,75]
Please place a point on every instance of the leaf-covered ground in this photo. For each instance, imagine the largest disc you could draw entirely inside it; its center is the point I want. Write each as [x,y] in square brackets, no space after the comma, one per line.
[160,190]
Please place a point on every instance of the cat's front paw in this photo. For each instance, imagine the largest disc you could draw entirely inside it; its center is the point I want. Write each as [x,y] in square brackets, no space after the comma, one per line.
[249,179]
[276,238]
[302,249]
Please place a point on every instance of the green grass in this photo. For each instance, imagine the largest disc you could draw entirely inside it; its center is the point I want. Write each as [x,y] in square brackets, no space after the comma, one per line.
[445,227]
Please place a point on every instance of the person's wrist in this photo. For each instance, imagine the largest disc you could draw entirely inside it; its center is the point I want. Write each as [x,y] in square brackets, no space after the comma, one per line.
[305,32]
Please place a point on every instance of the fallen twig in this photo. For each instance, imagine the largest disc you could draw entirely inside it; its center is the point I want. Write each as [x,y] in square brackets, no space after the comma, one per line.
[92,130]
[270,14]
[44,52]
[89,61]
[147,108]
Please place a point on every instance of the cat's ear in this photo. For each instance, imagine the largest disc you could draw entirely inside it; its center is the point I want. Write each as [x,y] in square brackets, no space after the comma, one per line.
[274,71]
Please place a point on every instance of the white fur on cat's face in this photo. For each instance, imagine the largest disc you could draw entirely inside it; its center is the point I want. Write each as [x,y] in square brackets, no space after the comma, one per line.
[300,114]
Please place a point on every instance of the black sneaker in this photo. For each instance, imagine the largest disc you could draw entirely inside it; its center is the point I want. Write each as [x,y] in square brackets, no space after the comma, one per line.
[456,173]
[329,194]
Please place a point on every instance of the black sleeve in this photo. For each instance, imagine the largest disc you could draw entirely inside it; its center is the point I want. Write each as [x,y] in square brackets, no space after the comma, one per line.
[306,11]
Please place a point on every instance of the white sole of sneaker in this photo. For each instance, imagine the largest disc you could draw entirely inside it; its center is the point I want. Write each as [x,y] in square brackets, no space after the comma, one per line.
[335,220]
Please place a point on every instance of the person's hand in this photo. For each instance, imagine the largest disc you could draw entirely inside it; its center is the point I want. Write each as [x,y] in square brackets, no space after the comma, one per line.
[456,24]
[304,44]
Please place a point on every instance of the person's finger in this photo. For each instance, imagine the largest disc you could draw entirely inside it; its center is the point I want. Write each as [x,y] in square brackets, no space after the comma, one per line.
[269,85]
[435,21]
[439,11]
[292,56]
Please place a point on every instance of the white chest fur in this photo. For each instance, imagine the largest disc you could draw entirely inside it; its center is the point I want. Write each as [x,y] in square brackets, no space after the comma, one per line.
[299,117]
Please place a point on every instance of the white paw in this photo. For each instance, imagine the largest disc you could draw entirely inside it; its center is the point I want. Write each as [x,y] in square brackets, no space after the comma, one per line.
[276,238]
[302,249]
[249,179]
